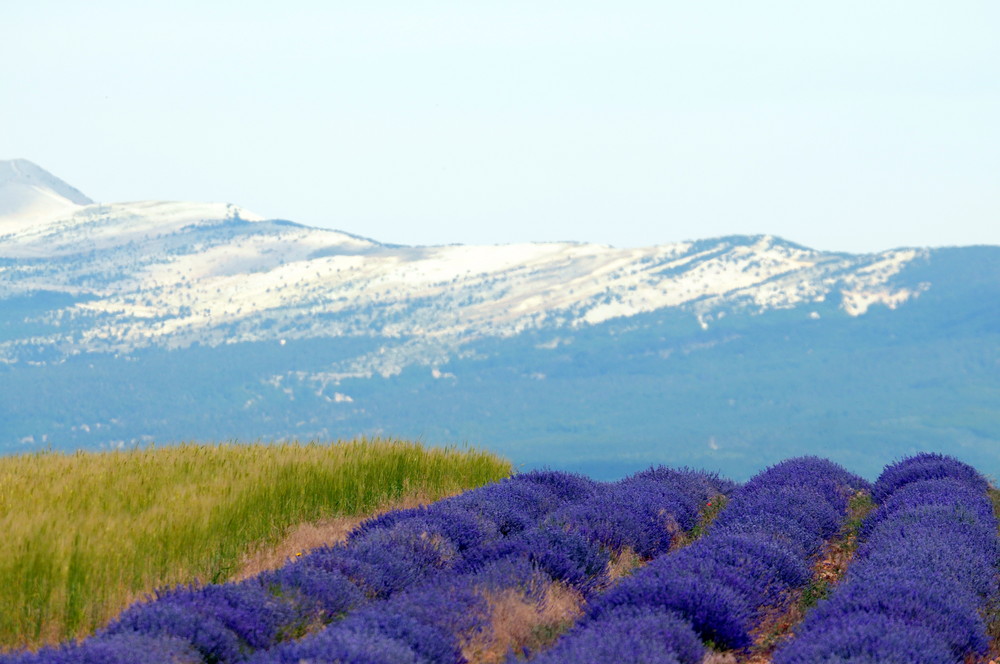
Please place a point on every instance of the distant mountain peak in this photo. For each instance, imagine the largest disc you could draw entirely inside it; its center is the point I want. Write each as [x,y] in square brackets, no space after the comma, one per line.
[29,192]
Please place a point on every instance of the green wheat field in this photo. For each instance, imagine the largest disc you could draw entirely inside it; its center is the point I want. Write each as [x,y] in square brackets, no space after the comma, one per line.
[86,534]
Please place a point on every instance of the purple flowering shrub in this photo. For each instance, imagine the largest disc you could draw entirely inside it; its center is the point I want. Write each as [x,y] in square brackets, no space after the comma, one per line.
[630,635]
[342,647]
[822,474]
[926,466]
[516,504]
[114,649]
[429,622]
[565,487]
[222,622]
[434,619]
[873,639]
[940,493]
[644,512]
[386,561]
[720,587]
[715,610]
[757,557]
[641,515]
[321,593]
[920,579]
[573,544]
[464,528]
[564,556]
[697,485]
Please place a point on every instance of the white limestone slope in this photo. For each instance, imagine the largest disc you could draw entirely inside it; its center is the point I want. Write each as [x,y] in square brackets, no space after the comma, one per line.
[172,274]
[29,194]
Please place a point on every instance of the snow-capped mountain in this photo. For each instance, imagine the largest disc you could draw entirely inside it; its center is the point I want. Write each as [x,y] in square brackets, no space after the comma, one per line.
[163,321]
[171,274]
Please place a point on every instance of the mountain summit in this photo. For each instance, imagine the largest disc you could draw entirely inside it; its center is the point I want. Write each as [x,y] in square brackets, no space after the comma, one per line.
[29,192]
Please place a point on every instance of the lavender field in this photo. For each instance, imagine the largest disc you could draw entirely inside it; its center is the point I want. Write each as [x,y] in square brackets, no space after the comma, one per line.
[804,563]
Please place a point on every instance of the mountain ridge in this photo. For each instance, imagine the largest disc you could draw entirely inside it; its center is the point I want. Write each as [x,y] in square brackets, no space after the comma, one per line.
[131,322]
[174,273]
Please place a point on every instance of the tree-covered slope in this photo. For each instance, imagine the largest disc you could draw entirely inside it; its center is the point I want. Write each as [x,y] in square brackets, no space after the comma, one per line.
[746,389]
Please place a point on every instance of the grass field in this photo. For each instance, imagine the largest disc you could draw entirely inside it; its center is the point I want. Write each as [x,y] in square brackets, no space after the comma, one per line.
[86,534]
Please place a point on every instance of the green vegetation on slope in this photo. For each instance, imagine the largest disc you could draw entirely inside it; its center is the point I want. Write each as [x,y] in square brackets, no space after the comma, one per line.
[86,534]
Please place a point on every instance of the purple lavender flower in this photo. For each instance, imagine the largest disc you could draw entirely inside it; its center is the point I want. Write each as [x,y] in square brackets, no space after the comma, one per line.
[917,585]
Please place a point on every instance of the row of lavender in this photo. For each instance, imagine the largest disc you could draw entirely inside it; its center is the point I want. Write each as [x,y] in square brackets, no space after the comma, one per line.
[441,622]
[718,589]
[412,585]
[920,581]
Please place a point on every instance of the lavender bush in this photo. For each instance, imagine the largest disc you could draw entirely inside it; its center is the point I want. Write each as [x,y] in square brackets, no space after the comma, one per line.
[919,581]
[455,606]
[114,649]
[630,635]
[720,586]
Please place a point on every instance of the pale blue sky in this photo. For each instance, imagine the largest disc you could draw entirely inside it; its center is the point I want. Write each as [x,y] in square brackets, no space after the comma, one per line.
[857,125]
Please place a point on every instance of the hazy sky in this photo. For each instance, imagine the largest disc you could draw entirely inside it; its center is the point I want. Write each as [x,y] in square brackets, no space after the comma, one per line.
[856,125]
